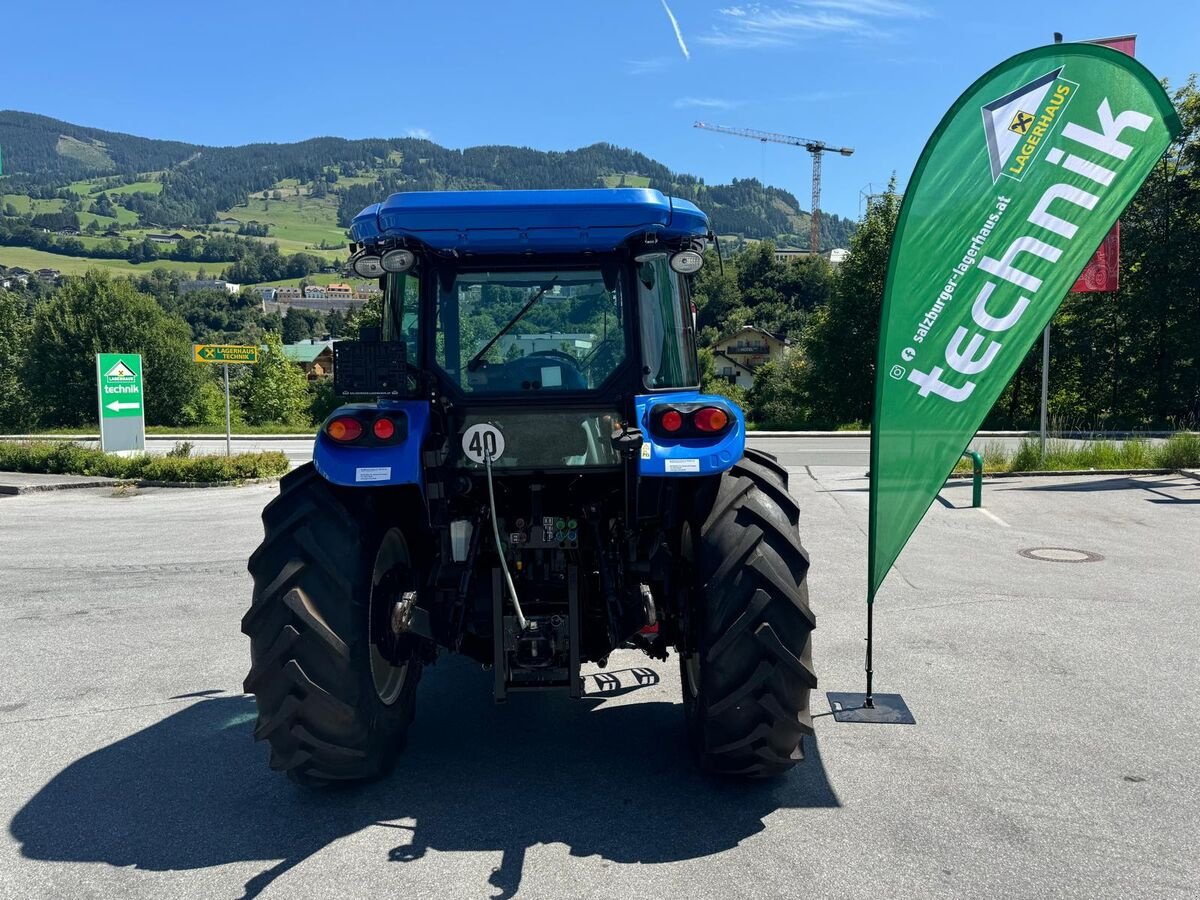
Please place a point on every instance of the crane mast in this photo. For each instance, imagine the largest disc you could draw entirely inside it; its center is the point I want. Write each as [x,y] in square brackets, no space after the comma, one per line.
[814,147]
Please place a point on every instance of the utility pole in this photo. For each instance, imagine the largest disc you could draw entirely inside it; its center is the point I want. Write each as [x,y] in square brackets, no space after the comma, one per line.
[814,147]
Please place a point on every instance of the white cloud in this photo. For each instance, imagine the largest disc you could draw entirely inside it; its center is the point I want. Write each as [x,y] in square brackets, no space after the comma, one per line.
[646,66]
[766,25]
[678,32]
[705,103]
[419,133]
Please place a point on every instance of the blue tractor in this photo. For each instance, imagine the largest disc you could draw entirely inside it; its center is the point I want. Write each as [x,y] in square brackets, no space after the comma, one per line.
[528,475]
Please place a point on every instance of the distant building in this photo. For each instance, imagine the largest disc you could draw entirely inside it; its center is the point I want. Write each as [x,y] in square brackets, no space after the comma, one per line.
[165,238]
[733,371]
[266,293]
[834,257]
[365,290]
[229,220]
[314,292]
[69,231]
[338,290]
[208,284]
[314,357]
[285,294]
[740,353]
[112,232]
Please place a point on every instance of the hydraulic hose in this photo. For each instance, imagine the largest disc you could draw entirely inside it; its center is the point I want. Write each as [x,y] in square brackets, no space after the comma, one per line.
[512,590]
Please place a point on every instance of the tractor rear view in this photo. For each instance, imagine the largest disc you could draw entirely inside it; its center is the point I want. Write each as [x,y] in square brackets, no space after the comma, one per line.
[528,476]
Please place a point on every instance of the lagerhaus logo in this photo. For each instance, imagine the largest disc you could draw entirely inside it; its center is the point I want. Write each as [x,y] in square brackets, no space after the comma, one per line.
[1019,123]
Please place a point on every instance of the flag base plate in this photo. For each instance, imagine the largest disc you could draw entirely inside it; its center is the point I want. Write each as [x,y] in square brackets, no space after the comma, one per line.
[889,709]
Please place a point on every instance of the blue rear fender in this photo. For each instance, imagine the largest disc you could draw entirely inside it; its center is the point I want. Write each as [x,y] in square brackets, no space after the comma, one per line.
[693,456]
[353,465]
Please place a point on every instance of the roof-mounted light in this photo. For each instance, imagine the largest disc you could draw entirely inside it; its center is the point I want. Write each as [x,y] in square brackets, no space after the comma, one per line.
[687,262]
[367,266]
[398,260]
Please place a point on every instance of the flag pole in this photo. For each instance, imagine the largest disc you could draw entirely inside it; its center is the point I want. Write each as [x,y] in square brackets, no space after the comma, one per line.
[869,699]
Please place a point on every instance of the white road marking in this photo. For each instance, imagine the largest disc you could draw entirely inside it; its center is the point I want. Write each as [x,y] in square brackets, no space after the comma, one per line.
[995,518]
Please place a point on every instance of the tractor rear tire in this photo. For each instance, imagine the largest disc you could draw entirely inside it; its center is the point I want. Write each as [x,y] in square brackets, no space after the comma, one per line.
[748,675]
[311,651]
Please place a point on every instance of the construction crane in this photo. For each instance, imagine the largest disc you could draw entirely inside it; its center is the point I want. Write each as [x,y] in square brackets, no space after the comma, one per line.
[816,148]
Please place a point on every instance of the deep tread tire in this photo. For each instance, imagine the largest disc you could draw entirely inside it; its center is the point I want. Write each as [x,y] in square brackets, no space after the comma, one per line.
[748,709]
[309,638]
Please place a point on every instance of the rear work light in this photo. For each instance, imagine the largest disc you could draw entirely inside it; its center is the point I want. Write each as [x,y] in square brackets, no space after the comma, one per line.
[367,266]
[344,429]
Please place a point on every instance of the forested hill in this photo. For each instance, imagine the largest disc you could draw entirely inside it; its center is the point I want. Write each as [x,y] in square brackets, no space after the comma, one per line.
[193,183]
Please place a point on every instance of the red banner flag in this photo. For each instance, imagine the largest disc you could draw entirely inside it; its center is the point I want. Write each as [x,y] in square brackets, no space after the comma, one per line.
[1103,271]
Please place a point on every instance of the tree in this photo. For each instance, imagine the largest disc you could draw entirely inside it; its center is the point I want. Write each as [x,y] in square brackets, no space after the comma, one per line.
[335,323]
[837,381]
[370,314]
[15,413]
[274,390]
[716,295]
[777,398]
[301,325]
[96,314]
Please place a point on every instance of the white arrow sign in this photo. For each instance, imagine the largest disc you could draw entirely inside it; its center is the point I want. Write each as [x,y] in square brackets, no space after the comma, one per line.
[117,406]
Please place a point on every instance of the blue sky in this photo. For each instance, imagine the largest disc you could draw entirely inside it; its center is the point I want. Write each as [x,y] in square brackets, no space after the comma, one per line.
[875,75]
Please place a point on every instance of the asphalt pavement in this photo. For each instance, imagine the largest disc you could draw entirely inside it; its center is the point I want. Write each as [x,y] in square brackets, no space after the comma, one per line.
[1054,753]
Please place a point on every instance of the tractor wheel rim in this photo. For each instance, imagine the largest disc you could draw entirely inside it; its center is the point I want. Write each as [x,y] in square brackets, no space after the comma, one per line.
[388,679]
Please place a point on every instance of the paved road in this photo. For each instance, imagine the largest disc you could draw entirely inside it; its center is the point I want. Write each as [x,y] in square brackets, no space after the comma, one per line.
[1054,755]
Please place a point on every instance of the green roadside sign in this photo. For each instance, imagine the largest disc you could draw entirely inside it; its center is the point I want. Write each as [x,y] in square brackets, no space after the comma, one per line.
[224,353]
[121,398]
[120,377]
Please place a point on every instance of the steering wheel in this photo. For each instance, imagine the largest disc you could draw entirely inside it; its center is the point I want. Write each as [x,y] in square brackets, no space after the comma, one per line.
[556,354]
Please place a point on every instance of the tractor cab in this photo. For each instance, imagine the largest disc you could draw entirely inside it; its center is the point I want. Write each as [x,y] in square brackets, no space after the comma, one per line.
[503,306]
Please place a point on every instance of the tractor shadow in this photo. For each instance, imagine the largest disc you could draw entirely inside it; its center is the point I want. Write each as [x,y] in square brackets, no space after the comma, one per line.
[607,779]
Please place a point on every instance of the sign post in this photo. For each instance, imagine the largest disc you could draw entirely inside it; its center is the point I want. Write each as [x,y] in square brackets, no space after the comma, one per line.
[121,401]
[225,354]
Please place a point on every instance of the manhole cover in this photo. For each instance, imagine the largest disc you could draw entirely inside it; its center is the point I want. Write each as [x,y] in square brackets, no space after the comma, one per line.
[1060,554]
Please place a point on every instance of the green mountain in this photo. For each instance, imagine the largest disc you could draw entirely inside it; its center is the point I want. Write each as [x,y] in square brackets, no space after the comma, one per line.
[174,184]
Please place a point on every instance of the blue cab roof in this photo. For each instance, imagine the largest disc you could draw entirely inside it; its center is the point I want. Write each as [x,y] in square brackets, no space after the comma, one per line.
[575,221]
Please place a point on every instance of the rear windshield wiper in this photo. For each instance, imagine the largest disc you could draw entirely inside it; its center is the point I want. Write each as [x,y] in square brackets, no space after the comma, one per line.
[474,363]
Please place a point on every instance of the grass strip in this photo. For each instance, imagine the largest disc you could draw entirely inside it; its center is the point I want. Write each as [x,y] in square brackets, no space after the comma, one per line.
[1180,451]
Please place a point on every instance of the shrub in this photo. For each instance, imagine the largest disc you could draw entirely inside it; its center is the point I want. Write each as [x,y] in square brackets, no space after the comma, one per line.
[63,458]
[1181,451]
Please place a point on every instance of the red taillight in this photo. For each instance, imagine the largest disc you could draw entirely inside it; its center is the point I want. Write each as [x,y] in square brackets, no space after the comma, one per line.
[671,420]
[344,429]
[710,418]
[384,429]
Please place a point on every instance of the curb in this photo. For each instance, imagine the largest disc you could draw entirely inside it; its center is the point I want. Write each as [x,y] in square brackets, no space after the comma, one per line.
[10,490]
[270,479]
[1076,472]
